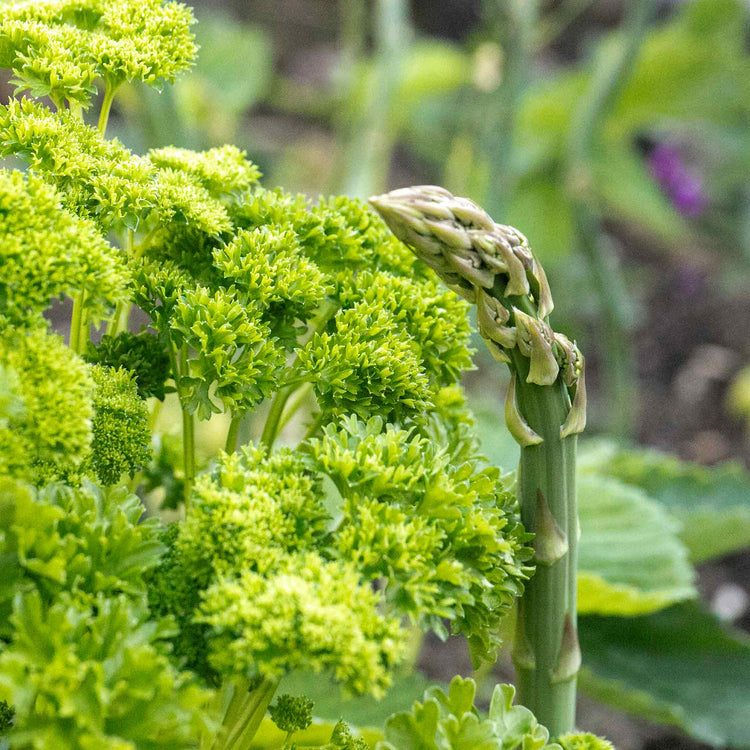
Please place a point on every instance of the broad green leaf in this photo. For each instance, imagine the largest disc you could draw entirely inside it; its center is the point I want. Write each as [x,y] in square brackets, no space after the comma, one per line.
[712,503]
[678,666]
[631,560]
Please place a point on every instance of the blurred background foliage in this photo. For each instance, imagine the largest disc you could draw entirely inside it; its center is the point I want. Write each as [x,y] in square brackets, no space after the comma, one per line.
[616,135]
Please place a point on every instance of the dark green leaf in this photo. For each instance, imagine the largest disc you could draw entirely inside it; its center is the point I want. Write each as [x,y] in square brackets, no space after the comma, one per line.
[678,666]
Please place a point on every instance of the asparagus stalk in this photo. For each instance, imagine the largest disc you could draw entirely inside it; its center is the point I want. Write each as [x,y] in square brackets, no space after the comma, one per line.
[492,266]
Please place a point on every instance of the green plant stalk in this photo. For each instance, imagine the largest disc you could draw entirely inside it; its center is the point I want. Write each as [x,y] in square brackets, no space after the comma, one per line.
[188,424]
[293,406]
[545,653]
[188,437]
[278,415]
[313,427]
[585,136]
[233,432]
[79,331]
[245,713]
[122,309]
[272,427]
[109,96]
[492,266]
[74,339]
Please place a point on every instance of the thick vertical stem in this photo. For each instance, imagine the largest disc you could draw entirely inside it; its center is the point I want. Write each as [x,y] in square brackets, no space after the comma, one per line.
[271,427]
[122,310]
[188,452]
[546,653]
[109,96]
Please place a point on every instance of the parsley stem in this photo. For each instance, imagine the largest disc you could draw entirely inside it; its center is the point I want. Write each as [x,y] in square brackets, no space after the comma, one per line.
[109,96]
[314,427]
[74,339]
[233,432]
[277,416]
[250,715]
[188,437]
[122,310]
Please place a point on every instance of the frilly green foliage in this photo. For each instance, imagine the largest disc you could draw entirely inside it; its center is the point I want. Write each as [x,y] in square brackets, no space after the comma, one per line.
[121,435]
[103,679]
[342,739]
[381,342]
[234,358]
[250,541]
[237,275]
[266,264]
[442,537]
[450,722]
[307,613]
[47,252]
[142,354]
[49,437]
[84,541]
[7,718]
[61,48]
[250,293]
[222,171]
[96,177]
[367,365]
[72,599]
[584,741]
[442,533]
[291,713]
[101,179]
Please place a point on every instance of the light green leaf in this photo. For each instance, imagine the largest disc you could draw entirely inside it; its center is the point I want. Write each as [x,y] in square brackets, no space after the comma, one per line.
[630,558]
[678,666]
[692,68]
[712,503]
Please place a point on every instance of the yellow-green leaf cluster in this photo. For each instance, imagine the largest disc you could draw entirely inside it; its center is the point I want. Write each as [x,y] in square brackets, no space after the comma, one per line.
[120,432]
[49,437]
[61,48]
[47,252]
[442,534]
[271,601]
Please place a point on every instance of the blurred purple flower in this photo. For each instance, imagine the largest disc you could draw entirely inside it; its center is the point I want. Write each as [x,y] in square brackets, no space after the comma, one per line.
[683,187]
